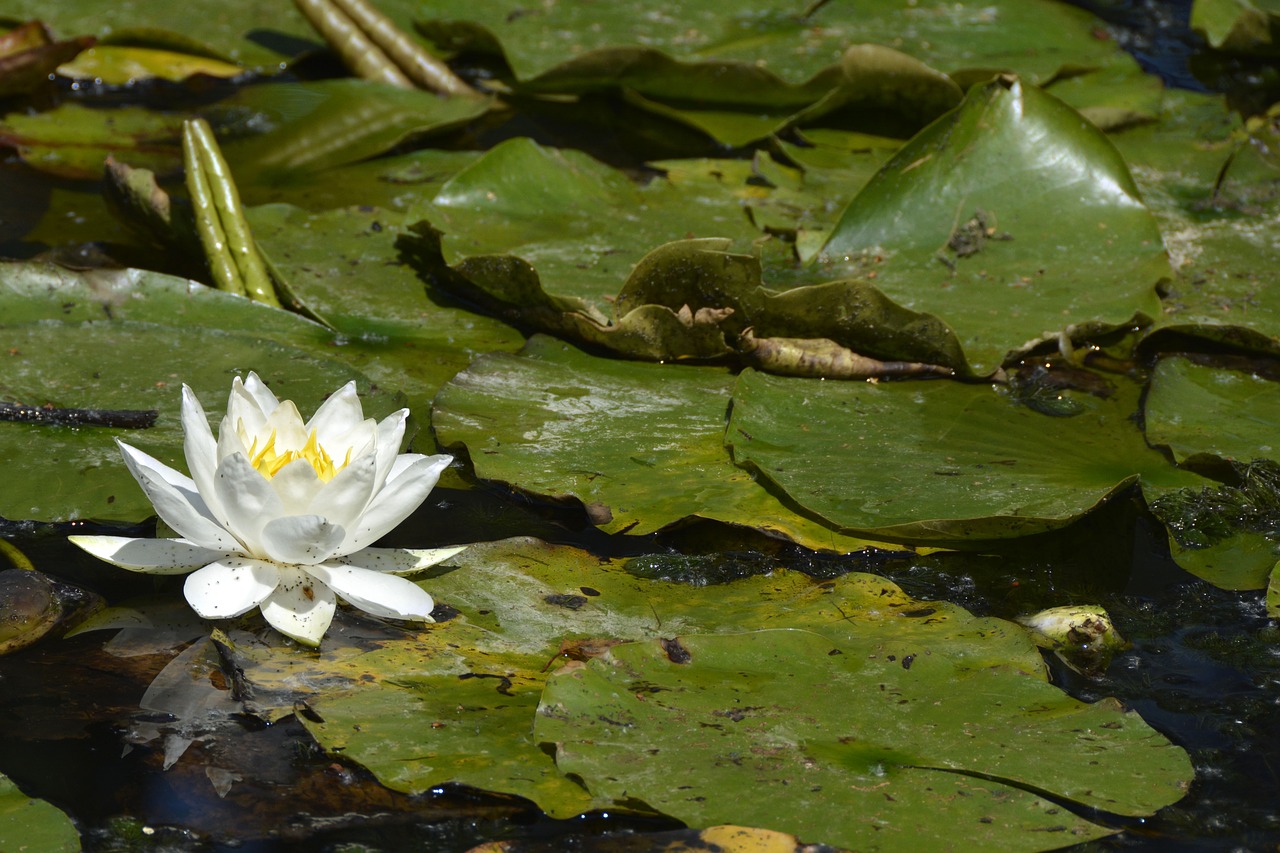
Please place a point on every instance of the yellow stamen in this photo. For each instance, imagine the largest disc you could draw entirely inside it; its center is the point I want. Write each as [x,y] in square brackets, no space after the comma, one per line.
[269,460]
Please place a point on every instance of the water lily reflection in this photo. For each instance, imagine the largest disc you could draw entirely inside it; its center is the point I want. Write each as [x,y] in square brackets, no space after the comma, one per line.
[280,514]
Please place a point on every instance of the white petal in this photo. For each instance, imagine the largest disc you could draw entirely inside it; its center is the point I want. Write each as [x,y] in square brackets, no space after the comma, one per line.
[343,499]
[230,587]
[398,560]
[198,444]
[177,502]
[374,592]
[247,412]
[301,606]
[297,485]
[247,499]
[390,433]
[231,441]
[301,539]
[338,417]
[259,391]
[286,423]
[400,496]
[153,556]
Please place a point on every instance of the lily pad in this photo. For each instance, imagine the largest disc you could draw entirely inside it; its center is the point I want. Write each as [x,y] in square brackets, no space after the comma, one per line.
[73,141]
[456,703]
[937,462]
[90,341]
[290,131]
[729,729]
[343,265]
[30,824]
[683,299]
[638,444]
[1198,411]
[1238,26]
[1201,172]
[701,53]
[982,252]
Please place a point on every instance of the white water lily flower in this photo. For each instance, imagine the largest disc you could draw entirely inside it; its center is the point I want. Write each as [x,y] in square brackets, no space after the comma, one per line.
[280,514]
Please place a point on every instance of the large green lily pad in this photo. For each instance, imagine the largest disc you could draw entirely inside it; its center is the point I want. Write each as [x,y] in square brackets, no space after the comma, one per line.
[312,127]
[736,729]
[1208,415]
[91,341]
[343,265]
[638,444]
[938,462]
[456,702]
[1023,223]
[699,52]
[1199,411]
[30,824]
[1205,176]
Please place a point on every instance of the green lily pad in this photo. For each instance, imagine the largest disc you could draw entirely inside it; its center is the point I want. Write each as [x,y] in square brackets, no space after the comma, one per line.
[91,340]
[687,298]
[400,182]
[1208,415]
[456,702]
[1201,174]
[1199,411]
[343,265]
[31,824]
[73,141]
[982,252]
[312,127]
[1238,26]
[937,462]
[758,53]
[604,224]
[638,444]
[730,729]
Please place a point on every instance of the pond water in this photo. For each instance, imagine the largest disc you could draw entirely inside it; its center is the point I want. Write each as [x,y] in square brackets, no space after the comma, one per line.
[1203,667]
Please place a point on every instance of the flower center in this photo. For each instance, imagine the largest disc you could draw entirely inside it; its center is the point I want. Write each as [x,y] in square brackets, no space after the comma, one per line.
[269,460]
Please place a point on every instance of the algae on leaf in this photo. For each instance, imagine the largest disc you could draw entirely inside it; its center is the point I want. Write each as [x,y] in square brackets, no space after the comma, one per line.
[767,727]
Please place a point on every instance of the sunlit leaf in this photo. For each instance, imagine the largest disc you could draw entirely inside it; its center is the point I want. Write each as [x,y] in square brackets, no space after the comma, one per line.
[1024,222]
[1199,411]
[730,729]
[91,341]
[343,265]
[30,824]
[639,444]
[73,141]
[937,462]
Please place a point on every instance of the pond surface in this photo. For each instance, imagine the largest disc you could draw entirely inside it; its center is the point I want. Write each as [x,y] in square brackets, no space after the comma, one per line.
[1202,667]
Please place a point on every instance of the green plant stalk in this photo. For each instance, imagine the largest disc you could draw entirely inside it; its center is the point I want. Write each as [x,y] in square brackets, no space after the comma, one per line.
[358,52]
[226,275]
[255,279]
[415,62]
[15,556]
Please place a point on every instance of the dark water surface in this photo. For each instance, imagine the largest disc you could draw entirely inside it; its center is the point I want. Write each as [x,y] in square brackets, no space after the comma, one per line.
[1204,666]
